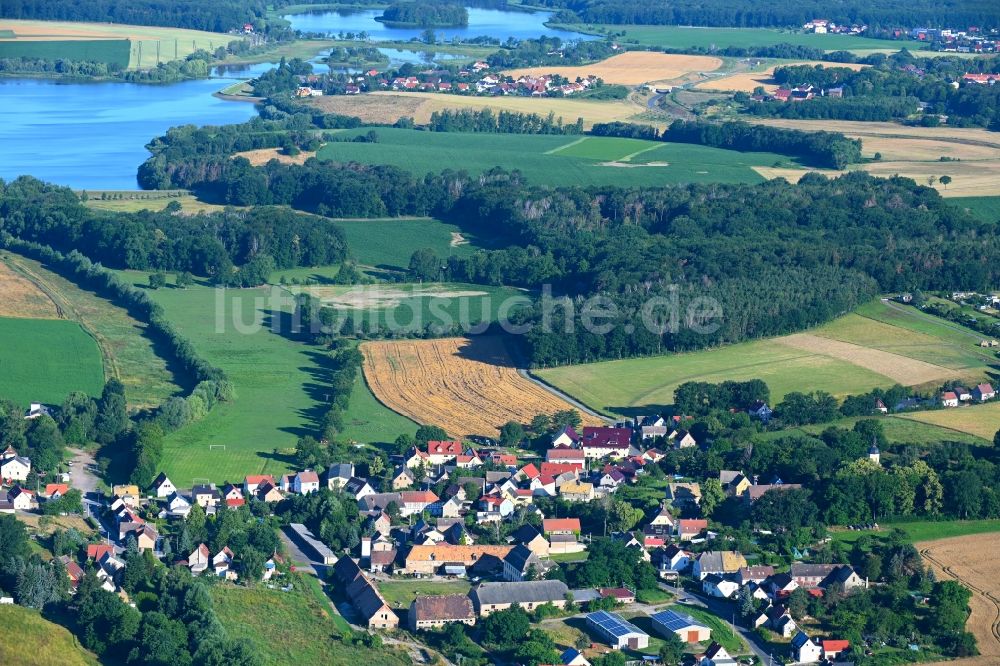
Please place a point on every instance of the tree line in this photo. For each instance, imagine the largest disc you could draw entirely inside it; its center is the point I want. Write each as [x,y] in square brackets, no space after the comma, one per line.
[426,14]
[751,14]
[502,122]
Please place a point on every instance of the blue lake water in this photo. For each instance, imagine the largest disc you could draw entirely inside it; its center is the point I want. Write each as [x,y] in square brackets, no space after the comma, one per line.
[92,136]
[482,22]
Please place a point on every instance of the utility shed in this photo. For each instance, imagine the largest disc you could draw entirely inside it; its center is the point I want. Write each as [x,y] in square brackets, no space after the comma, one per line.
[315,547]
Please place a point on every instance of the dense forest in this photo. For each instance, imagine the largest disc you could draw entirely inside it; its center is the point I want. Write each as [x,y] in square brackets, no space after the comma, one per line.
[426,14]
[215,16]
[502,122]
[777,257]
[756,14]
[209,244]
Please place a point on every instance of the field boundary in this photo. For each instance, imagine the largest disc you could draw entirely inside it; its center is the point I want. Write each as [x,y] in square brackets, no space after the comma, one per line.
[108,362]
[531,377]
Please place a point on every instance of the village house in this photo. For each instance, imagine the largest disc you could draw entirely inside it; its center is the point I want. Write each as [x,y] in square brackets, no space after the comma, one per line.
[338,474]
[13,467]
[268,492]
[566,456]
[949,399]
[621,595]
[145,537]
[199,559]
[22,499]
[129,493]
[716,655]
[36,410]
[364,596]
[232,496]
[690,528]
[492,597]
[493,508]
[684,495]
[664,517]
[435,611]
[723,587]
[983,392]
[755,492]
[222,564]
[733,482]
[672,558]
[759,409]
[805,650]
[415,501]
[305,482]
[573,657]
[833,648]
[522,564]
[810,576]
[681,439]
[357,488]
[529,537]
[718,562]
[565,438]
[206,496]
[757,574]
[441,452]
[576,491]
[163,487]
[431,559]
[178,506]
[54,491]
[253,482]
[604,442]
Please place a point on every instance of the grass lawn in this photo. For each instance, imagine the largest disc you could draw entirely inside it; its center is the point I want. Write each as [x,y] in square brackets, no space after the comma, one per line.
[131,201]
[977,420]
[367,240]
[280,384]
[984,208]
[654,596]
[399,594]
[622,387]
[681,37]
[43,360]
[370,421]
[127,353]
[926,530]
[30,639]
[555,160]
[291,627]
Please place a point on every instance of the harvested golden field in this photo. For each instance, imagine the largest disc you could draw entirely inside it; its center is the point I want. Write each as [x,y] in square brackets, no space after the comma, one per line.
[974,561]
[748,81]
[466,386]
[902,369]
[631,68]
[262,156]
[20,297]
[979,420]
[388,107]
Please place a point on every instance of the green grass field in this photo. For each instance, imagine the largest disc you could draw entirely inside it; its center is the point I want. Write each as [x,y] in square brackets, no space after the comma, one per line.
[555,160]
[292,627]
[399,594]
[680,37]
[110,51]
[367,240]
[976,420]
[897,428]
[280,386]
[28,638]
[128,354]
[925,530]
[984,208]
[42,360]
[620,387]
[411,306]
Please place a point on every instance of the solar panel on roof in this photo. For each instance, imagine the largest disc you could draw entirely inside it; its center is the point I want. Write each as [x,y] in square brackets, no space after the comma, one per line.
[673,620]
[614,625]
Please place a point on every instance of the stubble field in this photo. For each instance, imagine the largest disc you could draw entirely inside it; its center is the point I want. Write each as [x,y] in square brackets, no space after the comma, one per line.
[631,68]
[974,561]
[466,386]
[748,81]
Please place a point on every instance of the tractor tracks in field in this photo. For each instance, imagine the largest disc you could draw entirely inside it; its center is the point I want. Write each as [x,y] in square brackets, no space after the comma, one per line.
[994,601]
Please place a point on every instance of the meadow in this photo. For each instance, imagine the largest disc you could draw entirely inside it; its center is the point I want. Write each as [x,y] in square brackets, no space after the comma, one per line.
[555,160]
[110,51]
[836,358]
[400,593]
[131,201]
[29,639]
[123,348]
[630,68]
[895,428]
[279,381]
[146,46]
[292,627]
[924,530]
[986,209]
[43,360]
[682,37]
[977,420]
[366,240]
[410,306]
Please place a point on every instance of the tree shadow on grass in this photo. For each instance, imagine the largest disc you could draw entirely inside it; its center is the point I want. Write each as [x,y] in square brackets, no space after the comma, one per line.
[284,459]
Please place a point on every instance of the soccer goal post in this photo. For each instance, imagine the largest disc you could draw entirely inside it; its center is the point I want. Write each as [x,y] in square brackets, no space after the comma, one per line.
[213,447]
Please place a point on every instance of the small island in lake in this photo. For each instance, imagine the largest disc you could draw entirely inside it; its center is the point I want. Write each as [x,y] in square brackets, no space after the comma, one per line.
[424,15]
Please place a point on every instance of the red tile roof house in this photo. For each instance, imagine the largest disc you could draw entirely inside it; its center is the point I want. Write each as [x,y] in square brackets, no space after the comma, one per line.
[620,594]
[555,469]
[949,399]
[561,526]
[96,551]
[440,452]
[689,528]
[983,392]
[415,501]
[832,649]
[566,456]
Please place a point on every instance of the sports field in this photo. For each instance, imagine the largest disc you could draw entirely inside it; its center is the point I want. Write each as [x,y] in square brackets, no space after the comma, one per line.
[466,386]
[682,37]
[144,46]
[279,382]
[853,354]
[556,160]
[366,240]
[631,68]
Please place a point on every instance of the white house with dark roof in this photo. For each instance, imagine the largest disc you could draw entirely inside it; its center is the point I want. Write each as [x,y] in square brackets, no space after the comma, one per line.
[163,486]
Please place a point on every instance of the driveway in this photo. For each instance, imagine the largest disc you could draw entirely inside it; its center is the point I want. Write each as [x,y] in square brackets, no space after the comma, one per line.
[83,477]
